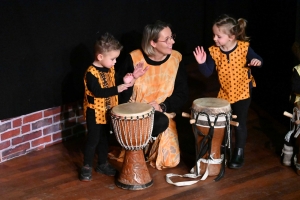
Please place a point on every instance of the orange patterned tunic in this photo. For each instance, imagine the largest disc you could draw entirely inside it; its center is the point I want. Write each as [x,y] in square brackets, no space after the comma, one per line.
[100,104]
[156,85]
[234,73]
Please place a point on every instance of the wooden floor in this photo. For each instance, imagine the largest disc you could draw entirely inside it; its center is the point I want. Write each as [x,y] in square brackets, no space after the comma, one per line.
[52,173]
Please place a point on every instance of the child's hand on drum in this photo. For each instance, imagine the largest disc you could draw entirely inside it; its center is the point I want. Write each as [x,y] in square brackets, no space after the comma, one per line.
[139,70]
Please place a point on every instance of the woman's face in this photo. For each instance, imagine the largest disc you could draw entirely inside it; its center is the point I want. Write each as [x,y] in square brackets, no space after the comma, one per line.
[164,43]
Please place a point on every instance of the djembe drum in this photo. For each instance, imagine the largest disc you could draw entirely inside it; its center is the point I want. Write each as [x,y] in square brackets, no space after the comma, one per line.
[293,138]
[211,129]
[133,124]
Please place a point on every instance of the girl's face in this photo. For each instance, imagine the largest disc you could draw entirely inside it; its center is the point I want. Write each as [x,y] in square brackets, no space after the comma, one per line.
[164,44]
[220,37]
[108,59]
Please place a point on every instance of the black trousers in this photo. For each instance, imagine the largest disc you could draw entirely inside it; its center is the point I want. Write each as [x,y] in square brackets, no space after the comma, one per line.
[97,140]
[161,123]
[240,109]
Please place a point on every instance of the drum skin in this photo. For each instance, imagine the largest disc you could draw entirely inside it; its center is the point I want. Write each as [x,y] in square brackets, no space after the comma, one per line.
[212,107]
[133,123]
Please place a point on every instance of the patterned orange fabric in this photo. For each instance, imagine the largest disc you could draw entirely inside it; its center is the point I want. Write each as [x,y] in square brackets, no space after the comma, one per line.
[156,85]
[233,73]
[99,105]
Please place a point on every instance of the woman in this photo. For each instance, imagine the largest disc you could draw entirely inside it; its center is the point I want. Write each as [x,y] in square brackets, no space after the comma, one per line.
[164,86]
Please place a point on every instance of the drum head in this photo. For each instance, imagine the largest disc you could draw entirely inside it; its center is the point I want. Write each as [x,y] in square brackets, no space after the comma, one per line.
[131,109]
[211,106]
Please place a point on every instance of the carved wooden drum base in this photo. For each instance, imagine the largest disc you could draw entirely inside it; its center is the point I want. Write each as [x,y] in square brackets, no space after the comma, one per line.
[134,174]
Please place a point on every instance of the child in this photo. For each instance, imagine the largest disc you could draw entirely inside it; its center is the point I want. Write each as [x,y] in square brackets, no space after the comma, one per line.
[232,57]
[101,94]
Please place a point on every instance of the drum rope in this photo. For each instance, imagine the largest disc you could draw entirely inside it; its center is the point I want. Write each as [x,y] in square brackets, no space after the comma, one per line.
[140,127]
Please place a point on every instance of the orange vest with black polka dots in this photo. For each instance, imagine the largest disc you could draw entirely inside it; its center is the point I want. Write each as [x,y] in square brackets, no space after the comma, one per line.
[233,73]
[100,104]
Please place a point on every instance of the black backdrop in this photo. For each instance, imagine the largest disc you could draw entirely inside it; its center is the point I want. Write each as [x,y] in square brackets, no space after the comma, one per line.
[46,45]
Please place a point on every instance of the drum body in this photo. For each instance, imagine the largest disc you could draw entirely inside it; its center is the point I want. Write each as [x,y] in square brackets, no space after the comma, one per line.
[133,124]
[205,111]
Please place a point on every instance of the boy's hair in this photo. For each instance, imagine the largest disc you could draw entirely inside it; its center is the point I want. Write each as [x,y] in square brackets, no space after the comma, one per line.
[106,43]
[151,32]
[232,27]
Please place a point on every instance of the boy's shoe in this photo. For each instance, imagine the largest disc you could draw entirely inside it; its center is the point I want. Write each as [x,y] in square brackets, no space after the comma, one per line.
[86,173]
[106,169]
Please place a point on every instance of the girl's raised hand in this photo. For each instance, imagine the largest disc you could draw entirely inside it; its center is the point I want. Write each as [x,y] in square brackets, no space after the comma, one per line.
[200,55]
[255,62]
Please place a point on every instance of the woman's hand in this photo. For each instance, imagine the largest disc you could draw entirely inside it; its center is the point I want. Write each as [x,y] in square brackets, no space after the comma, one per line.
[255,62]
[139,70]
[200,55]
[156,106]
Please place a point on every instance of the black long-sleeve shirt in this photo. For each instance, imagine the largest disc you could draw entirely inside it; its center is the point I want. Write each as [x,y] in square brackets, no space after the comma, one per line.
[94,86]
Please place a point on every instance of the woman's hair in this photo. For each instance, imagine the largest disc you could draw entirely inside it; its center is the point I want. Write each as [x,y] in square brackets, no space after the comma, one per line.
[151,32]
[232,27]
[106,43]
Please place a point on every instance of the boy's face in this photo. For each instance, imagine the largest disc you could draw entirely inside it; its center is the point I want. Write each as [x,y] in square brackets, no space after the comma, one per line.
[108,59]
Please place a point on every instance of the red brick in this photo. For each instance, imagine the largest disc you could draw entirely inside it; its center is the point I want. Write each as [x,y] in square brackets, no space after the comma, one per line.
[26,128]
[53,143]
[5,127]
[52,111]
[52,129]
[56,118]
[10,134]
[57,136]
[16,150]
[41,123]
[17,122]
[27,137]
[40,141]
[4,145]
[32,117]
[39,148]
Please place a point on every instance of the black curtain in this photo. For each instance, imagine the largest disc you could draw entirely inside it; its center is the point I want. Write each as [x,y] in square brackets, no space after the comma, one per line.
[47,45]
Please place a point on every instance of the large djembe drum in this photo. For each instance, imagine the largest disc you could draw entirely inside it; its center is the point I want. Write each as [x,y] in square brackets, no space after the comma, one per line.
[211,127]
[133,124]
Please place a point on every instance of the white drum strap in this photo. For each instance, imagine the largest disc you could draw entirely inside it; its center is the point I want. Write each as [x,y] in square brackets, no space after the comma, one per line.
[193,173]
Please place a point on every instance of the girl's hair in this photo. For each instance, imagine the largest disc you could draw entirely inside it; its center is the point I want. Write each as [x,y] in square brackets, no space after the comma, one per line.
[106,43]
[232,27]
[151,32]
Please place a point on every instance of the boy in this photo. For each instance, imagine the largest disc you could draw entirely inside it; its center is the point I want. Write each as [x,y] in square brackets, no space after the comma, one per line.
[101,94]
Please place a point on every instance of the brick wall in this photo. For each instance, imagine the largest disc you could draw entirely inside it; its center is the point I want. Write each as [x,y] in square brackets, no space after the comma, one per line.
[35,131]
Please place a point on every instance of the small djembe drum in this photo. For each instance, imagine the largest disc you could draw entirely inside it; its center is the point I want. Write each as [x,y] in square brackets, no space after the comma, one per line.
[293,138]
[133,124]
[211,126]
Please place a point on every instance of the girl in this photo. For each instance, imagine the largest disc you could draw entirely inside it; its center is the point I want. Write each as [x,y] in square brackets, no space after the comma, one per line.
[232,57]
